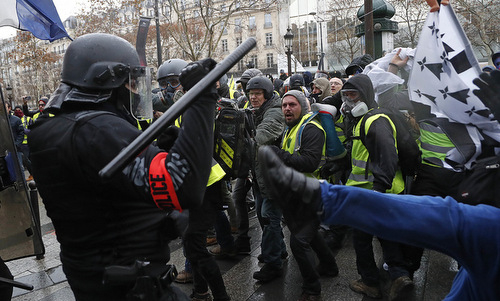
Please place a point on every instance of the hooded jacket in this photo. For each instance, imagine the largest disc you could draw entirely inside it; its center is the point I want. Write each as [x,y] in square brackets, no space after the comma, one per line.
[379,139]
[358,62]
[324,85]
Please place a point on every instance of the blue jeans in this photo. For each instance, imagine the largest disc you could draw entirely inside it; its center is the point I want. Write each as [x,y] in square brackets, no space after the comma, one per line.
[269,215]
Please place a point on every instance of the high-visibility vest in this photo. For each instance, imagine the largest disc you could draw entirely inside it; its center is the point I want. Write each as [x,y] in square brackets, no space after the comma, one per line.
[27,121]
[361,176]
[35,116]
[216,171]
[291,138]
[435,145]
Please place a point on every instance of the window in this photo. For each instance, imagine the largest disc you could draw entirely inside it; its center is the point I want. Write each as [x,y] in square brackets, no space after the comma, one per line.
[237,25]
[223,27]
[241,65]
[253,60]
[196,13]
[237,5]
[267,21]
[270,61]
[239,40]
[251,22]
[269,39]
[224,45]
[223,8]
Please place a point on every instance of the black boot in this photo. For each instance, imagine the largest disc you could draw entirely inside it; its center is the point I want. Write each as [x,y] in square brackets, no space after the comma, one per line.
[287,186]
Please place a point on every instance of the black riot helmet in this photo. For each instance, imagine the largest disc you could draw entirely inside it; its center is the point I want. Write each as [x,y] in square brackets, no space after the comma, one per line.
[172,67]
[247,75]
[263,83]
[99,61]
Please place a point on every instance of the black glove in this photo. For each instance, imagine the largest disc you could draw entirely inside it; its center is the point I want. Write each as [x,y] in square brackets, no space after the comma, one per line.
[333,166]
[489,91]
[275,149]
[167,139]
[195,72]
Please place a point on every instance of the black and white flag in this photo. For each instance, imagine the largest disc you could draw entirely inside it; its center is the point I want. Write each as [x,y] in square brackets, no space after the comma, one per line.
[442,74]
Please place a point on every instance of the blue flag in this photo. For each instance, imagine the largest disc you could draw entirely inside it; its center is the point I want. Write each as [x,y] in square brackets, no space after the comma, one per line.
[39,17]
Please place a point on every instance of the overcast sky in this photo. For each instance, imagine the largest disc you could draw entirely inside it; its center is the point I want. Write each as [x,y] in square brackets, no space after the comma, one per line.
[65,8]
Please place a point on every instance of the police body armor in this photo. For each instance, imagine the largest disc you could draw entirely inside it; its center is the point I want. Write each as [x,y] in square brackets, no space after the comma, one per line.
[80,215]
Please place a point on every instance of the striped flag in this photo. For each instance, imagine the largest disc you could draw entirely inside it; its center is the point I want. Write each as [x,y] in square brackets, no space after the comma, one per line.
[39,17]
[442,74]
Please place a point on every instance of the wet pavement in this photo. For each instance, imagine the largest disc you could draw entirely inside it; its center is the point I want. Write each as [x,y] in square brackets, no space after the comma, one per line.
[432,281]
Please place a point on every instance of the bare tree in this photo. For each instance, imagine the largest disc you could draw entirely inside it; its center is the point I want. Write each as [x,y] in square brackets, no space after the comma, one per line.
[344,45]
[35,64]
[480,21]
[194,29]
[111,16]
[411,15]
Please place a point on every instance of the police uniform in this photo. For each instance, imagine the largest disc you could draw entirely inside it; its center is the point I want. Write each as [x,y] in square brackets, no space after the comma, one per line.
[127,217]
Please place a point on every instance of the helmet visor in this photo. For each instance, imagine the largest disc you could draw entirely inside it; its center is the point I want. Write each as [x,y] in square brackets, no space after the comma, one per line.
[141,103]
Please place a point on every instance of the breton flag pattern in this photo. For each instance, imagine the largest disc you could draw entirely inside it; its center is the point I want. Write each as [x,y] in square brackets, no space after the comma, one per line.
[442,74]
[39,17]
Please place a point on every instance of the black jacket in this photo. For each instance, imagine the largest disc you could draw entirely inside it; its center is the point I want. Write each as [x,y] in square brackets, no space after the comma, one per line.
[308,158]
[379,140]
[98,222]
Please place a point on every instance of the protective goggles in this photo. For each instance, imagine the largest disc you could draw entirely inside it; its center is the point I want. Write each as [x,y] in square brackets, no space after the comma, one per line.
[169,81]
[352,94]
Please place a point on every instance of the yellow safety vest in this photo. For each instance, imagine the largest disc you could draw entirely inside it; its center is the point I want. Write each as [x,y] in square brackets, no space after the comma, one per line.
[26,122]
[35,116]
[362,177]
[291,137]
[339,128]
[434,144]
[216,171]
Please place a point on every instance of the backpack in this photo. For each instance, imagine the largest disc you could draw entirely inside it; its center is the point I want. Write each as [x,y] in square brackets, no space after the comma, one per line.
[409,154]
[480,185]
[326,116]
[233,139]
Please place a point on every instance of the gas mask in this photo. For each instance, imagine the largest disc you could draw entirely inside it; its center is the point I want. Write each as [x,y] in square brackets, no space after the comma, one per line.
[166,95]
[351,103]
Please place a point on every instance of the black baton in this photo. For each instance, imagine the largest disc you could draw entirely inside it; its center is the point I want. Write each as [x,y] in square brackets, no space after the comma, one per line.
[155,129]
[18,284]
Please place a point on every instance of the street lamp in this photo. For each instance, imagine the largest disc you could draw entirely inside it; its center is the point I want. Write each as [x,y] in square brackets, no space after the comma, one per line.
[288,45]
[321,65]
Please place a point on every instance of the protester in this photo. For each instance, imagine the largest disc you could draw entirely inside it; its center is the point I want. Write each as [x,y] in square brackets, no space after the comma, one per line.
[304,153]
[269,122]
[469,234]
[336,84]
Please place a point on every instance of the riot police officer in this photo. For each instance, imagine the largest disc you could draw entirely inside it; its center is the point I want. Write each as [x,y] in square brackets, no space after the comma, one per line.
[130,216]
